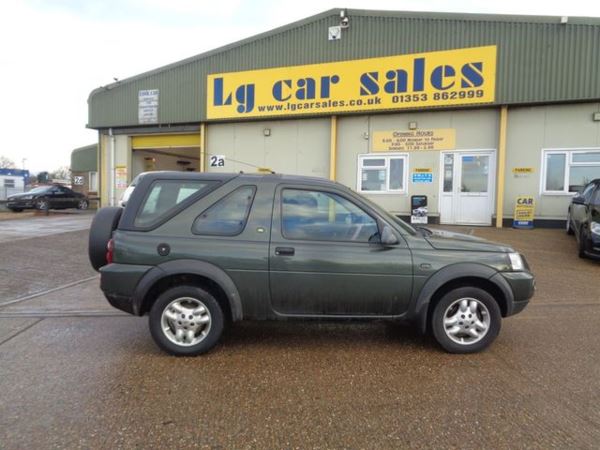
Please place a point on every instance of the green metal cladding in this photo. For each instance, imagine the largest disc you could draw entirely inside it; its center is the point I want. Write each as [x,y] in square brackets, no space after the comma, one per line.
[85,159]
[540,60]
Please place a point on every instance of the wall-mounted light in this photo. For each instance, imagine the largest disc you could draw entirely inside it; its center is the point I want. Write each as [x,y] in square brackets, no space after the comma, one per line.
[366,135]
[267,132]
[596,116]
[412,125]
[564,20]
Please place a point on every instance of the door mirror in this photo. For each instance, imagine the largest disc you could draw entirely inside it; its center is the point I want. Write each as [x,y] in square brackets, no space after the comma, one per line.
[388,237]
[578,199]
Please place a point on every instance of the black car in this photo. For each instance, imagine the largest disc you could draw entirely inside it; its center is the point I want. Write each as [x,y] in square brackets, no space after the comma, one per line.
[47,197]
[583,220]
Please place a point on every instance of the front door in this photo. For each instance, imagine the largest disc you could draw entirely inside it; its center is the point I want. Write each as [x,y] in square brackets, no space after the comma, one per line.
[467,187]
[325,258]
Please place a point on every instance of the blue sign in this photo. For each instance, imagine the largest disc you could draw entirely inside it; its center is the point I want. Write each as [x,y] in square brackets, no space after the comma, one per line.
[419,177]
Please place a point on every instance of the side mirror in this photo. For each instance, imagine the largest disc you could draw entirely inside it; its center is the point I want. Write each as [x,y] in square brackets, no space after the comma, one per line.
[388,237]
[578,199]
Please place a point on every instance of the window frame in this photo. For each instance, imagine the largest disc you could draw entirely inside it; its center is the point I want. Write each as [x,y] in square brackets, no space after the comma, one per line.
[388,157]
[329,192]
[93,181]
[229,194]
[568,153]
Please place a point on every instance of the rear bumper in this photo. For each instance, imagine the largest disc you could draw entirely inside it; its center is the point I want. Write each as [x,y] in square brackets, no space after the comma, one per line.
[118,283]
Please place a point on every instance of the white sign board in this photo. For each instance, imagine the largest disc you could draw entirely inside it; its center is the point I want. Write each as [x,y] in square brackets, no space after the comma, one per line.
[217,161]
[148,106]
[78,180]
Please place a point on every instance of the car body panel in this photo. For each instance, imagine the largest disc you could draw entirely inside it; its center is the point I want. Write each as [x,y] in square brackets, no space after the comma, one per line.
[321,279]
[583,211]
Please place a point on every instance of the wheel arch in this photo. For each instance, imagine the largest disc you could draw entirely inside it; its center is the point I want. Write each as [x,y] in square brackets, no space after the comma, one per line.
[460,275]
[193,272]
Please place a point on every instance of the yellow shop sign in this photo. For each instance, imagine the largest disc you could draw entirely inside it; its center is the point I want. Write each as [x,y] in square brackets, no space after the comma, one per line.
[443,78]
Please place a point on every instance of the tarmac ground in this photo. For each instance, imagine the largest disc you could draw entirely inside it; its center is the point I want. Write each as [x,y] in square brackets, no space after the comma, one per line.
[76,373]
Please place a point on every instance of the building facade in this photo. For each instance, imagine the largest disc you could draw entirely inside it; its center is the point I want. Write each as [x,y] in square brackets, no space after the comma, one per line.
[84,170]
[471,111]
[12,181]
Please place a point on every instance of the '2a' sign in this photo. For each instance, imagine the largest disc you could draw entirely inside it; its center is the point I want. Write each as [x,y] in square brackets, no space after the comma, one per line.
[217,161]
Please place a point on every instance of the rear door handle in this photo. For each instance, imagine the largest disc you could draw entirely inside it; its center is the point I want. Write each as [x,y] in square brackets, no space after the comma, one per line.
[285,251]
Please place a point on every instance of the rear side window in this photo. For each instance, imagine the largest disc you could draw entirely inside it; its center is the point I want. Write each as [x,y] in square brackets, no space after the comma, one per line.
[228,216]
[164,197]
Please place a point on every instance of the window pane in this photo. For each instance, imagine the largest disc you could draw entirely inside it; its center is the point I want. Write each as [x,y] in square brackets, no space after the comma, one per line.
[586,157]
[164,197]
[321,216]
[373,180]
[228,216]
[448,172]
[579,176]
[373,162]
[555,172]
[396,174]
[474,173]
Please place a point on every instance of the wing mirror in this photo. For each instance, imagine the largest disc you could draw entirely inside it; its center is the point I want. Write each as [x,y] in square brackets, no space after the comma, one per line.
[578,199]
[388,237]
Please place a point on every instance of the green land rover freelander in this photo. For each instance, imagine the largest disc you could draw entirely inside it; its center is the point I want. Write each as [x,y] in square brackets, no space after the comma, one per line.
[197,250]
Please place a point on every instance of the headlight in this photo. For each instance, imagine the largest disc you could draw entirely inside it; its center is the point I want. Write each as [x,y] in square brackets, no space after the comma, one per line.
[595,228]
[516,261]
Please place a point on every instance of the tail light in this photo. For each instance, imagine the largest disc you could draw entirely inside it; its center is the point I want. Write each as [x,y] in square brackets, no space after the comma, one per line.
[110,247]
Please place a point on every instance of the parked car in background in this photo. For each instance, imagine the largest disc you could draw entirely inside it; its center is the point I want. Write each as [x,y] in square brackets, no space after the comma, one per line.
[583,220]
[47,197]
[195,250]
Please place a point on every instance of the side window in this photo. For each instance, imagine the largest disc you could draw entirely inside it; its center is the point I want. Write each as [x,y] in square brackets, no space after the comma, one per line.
[164,197]
[587,192]
[596,198]
[323,216]
[228,216]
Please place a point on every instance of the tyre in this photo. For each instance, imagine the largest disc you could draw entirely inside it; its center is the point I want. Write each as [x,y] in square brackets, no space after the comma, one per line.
[104,223]
[466,320]
[83,204]
[581,242]
[569,229]
[42,204]
[186,321]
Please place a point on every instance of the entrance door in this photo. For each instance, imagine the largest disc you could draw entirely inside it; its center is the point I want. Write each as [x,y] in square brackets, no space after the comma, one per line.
[467,188]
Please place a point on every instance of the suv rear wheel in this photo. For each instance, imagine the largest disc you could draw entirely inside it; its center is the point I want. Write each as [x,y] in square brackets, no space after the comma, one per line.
[466,320]
[186,321]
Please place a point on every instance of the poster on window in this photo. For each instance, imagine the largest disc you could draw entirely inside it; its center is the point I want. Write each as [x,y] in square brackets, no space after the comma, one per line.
[418,205]
[121,177]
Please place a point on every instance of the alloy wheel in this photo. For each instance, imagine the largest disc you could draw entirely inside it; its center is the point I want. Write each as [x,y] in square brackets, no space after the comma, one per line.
[466,321]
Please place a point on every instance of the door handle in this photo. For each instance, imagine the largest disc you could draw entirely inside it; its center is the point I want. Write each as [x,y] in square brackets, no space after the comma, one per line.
[285,251]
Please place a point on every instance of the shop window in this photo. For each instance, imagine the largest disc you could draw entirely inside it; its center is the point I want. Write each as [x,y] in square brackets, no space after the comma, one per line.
[382,173]
[228,216]
[566,171]
[93,179]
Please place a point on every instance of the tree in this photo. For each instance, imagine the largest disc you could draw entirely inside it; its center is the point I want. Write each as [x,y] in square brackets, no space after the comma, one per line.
[62,173]
[7,163]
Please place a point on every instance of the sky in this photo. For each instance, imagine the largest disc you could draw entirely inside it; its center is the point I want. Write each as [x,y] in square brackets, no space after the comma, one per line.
[53,53]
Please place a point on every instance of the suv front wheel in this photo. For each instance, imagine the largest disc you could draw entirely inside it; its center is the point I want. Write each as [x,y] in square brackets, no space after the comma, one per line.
[186,321]
[466,320]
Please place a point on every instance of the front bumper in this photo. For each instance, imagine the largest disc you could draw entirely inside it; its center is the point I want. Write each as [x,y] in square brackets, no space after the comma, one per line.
[22,204]
[522,285]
